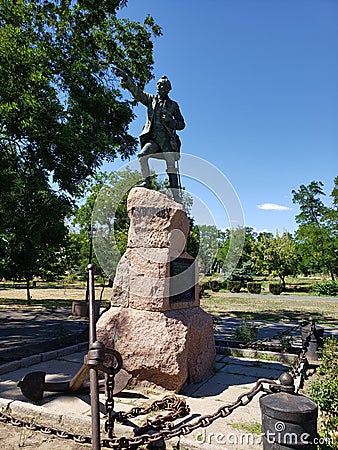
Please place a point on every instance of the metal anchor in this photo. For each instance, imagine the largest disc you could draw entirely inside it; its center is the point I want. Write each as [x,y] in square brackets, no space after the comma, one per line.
[33,385]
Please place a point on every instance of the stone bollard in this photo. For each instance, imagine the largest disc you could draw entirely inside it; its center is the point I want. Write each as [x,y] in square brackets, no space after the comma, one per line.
[316,340]
[289,420]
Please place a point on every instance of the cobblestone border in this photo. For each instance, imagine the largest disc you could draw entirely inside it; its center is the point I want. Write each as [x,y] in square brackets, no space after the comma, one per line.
[83,346]
[287,358]
[41,357]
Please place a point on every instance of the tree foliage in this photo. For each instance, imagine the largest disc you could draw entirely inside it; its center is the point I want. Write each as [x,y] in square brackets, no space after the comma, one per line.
[61,115]
[31,223]
[208,245]
[110,215]
[276,255]
[317,235]
[58,99]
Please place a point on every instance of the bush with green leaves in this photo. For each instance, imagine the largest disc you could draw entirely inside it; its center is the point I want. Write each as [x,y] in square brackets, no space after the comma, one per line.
[328,287]
[324,390]
[242,274]
[234,286]
[215,285]
[247,332]
[203,285]
[254,288]
[276,288]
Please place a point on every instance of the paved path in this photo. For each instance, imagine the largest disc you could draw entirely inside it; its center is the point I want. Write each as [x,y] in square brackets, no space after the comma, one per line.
[24,332]
[234,376]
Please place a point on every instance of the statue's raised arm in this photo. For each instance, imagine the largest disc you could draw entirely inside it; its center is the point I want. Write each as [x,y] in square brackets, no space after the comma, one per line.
[128,83]
[158,137]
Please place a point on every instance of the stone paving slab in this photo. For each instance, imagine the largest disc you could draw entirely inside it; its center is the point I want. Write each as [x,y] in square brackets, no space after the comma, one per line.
[234,377]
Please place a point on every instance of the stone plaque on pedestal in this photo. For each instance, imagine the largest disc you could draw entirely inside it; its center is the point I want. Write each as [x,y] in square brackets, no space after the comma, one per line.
[182,281]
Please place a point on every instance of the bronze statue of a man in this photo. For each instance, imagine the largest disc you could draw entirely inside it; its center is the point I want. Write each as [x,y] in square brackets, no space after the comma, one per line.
[158,137]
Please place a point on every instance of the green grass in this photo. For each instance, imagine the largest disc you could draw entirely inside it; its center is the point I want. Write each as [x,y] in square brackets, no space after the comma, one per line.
[253,428]
[47,295]
[272,309]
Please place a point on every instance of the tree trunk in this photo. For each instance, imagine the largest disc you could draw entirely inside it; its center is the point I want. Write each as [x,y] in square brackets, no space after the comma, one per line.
[283,280]
[28,292]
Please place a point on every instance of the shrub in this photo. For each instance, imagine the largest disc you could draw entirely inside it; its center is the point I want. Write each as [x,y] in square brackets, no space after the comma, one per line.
[234,286]
[242,274]
[247,332]
[214,285]
[326,288]
[276,288]
[203,285]
[254,288]
[324,390]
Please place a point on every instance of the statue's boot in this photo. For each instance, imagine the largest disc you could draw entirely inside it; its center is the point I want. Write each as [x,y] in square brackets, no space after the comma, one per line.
[173,181]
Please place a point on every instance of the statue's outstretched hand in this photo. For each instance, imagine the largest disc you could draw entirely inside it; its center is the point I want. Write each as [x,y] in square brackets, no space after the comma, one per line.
[121,74]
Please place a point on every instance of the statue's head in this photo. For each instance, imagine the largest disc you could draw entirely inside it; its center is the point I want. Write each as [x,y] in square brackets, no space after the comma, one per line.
[163,86]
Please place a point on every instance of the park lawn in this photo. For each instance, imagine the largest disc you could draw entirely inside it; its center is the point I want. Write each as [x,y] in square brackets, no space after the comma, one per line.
[263,307]
[276,308]
[48,295]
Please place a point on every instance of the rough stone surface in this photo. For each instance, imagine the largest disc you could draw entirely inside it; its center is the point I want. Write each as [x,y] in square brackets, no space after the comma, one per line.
[163,349]
[142,281]
[156,221]
[157,234]
[164,337]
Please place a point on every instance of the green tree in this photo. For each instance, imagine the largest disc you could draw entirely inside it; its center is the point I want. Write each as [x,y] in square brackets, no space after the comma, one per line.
[223,248]
[193,241]
[233,252]
[58,97]
[275,255]
[317,235]
[208,245]
[110,191]
[62,113]
[33,229]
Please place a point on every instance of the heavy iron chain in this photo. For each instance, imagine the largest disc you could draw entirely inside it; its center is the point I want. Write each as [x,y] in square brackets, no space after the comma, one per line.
[164,424]
[204,421]
[299,369]
[109,424]
[277,336]
[176,405]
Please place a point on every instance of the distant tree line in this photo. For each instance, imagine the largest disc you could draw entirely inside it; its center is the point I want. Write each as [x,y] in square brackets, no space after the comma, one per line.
[67,248]
[312,249]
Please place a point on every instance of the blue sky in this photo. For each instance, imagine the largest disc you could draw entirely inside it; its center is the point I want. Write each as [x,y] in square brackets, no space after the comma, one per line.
[257,84]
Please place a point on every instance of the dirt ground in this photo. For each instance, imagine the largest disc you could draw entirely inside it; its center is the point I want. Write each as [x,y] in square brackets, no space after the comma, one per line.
[14,438]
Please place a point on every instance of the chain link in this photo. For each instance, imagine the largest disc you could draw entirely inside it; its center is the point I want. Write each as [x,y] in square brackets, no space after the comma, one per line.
[109,424]
[277,336]
[163,424]
[298,371]
[176,405]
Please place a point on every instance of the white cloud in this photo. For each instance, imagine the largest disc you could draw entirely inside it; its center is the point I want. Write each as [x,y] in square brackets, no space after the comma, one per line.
[273,207]
[256,230]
